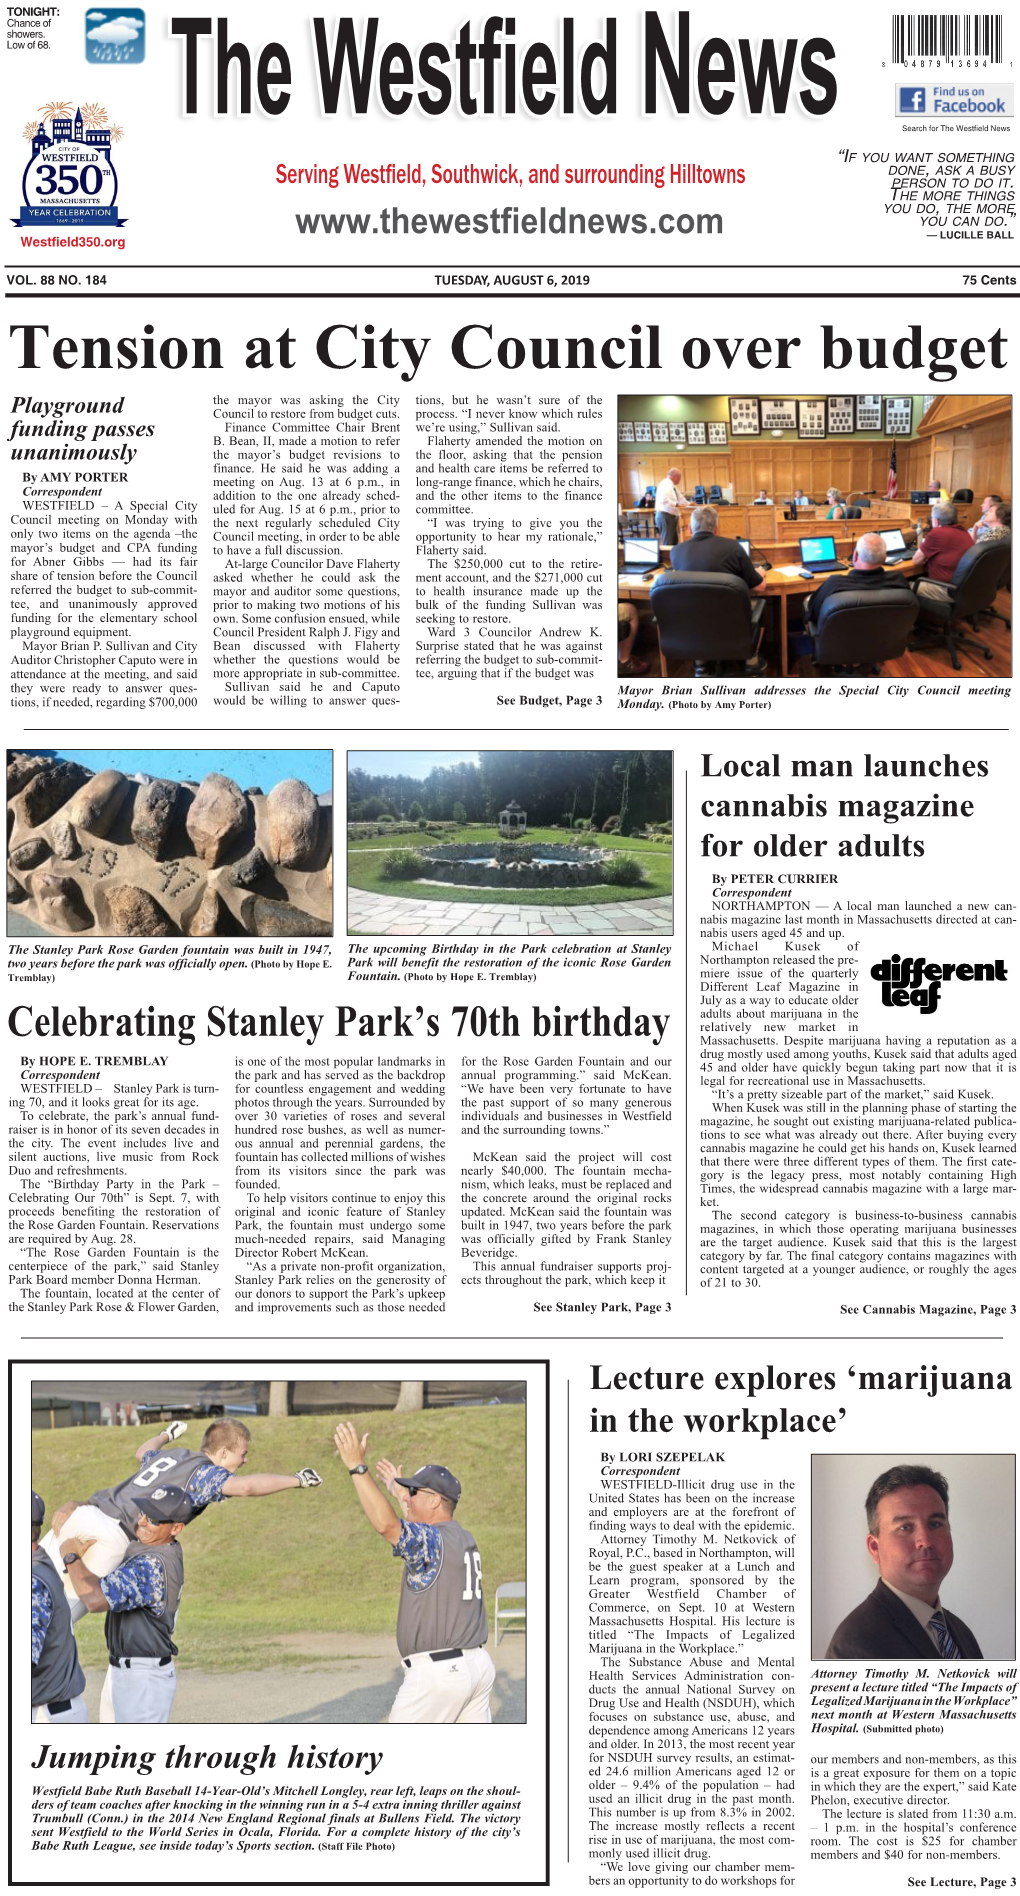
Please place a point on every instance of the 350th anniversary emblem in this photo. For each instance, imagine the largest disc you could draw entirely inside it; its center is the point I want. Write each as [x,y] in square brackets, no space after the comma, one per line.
[70,179]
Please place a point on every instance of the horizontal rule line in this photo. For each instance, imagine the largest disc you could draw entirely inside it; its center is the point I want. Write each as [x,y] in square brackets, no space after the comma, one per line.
[478,296]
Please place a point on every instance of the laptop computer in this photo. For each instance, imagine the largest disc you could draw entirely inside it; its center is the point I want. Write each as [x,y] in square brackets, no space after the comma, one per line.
[818,555]
[896,548]
[641,555]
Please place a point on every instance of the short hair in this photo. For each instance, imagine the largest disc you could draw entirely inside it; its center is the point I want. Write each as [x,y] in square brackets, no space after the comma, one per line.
[833,493]
[904,1475]
[944,513]
[704,520]
[1003,513]
[871,548]
[996,499]
[226,1434]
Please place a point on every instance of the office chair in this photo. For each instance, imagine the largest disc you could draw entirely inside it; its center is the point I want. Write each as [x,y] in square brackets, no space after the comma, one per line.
[853,513]
[707,617]
[859,630]
[964,493]
[969,599]
[699,495]
[715,495]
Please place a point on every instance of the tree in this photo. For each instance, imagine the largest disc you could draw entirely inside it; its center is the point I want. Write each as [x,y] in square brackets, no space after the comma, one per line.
[625,818]
[279,1398]
[414,811]
[411,1397]
[460,815]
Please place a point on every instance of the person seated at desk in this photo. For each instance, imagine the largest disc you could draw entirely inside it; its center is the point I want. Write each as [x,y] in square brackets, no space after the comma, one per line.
[800,499]
[837,505]
[669,498]
[998,525]
[709,551]
[761,499]
[647,498]
[941,551]
[990,502]
[867,570]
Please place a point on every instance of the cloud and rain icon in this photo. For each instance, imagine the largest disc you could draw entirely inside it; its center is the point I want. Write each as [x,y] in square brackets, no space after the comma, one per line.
[114,36]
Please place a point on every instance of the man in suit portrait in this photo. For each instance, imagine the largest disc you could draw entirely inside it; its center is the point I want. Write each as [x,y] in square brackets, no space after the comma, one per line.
[910,1541]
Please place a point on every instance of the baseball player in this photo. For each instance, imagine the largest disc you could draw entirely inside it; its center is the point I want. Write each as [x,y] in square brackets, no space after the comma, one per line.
[58,1682]
[441,1623]
[140,1599]
[212,1473]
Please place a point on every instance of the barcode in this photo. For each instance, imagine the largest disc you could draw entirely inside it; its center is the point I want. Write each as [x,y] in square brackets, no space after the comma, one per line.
[947,36]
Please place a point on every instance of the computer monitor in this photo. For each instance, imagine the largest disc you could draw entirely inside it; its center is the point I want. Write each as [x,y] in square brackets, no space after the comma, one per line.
[822,547]
[894,541]
[641,553]
[919,496]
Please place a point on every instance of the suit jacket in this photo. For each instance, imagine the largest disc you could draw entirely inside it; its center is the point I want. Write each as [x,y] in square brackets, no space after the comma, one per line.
[883,1628]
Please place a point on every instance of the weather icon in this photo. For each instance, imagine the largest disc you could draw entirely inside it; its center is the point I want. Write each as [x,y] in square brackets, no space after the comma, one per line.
[114,36]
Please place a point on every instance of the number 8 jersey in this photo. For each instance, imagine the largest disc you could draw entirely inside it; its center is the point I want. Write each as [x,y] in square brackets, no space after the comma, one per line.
[197,1474]
[441,1604]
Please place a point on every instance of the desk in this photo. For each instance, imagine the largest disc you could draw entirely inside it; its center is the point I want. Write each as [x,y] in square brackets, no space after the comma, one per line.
[779,586]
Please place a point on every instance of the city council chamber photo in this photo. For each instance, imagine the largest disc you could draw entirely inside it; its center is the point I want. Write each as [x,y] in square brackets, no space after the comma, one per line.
[814,536]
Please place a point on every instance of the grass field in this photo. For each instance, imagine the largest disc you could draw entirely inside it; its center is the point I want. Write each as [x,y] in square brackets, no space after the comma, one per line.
[261,1573]
[365,858]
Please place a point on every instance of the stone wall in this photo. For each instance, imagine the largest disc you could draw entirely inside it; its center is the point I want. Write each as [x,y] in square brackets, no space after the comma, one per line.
[100,853]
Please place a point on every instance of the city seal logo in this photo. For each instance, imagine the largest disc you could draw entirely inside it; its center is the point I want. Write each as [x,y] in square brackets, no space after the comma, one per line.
[70,179]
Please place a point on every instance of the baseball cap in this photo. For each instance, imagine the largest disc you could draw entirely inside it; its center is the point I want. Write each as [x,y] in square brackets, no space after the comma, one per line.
[38,1509]
[433,1476]
[167,1504]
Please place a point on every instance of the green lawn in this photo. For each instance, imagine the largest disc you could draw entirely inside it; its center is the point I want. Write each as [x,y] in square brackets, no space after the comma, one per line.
[305,1561]
[364,870]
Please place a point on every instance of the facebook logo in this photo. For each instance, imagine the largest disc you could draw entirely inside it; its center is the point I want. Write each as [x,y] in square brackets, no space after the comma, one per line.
[912,99]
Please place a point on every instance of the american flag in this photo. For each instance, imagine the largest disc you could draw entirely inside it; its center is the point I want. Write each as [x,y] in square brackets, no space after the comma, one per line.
[892,485]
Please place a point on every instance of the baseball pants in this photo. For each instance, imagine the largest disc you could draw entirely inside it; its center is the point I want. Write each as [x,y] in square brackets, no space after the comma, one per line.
[445,1691]
[111,1545]
[139,1694]
[76,1714]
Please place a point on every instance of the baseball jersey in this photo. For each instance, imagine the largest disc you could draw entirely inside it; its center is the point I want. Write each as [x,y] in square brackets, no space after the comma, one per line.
[441,1604]
[143,1594]
[56,1673]
[185,1468]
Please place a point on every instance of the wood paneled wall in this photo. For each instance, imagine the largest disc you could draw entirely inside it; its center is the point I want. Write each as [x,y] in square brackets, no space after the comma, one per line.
[979,457]
[779,467]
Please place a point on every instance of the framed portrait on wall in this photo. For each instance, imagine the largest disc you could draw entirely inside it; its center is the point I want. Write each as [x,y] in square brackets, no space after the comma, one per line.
[745,416]
[678,434]
[625,431]
[695,434]
[899,414]
[642,431]
[660,431]
[778,414]
[717,434]
[869,414]
[811,419]
[839,414]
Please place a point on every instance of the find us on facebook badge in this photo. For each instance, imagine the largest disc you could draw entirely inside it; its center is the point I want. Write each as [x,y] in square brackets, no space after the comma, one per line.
[953,102]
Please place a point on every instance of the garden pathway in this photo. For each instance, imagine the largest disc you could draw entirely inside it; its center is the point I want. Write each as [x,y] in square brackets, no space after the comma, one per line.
[390,915]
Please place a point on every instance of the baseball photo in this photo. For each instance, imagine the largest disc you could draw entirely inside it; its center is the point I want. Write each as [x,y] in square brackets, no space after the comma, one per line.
[313,1552]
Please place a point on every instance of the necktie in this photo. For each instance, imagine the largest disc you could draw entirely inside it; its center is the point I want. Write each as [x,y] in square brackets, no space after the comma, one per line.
[944,1639]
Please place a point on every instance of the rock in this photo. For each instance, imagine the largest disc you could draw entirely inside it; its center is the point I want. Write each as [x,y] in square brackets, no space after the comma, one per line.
[249,870]
[329,874]
[94,807]
[153,815]
[134,912]
[212,917]
[291,821]
[216,818]
[29,855]
[15,892]
[49,791]
[22,769]
[254,790]
[64,840]
[59,902]
[279,918]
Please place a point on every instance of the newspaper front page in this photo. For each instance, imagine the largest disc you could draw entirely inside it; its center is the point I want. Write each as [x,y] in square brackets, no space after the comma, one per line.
[511,1115]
